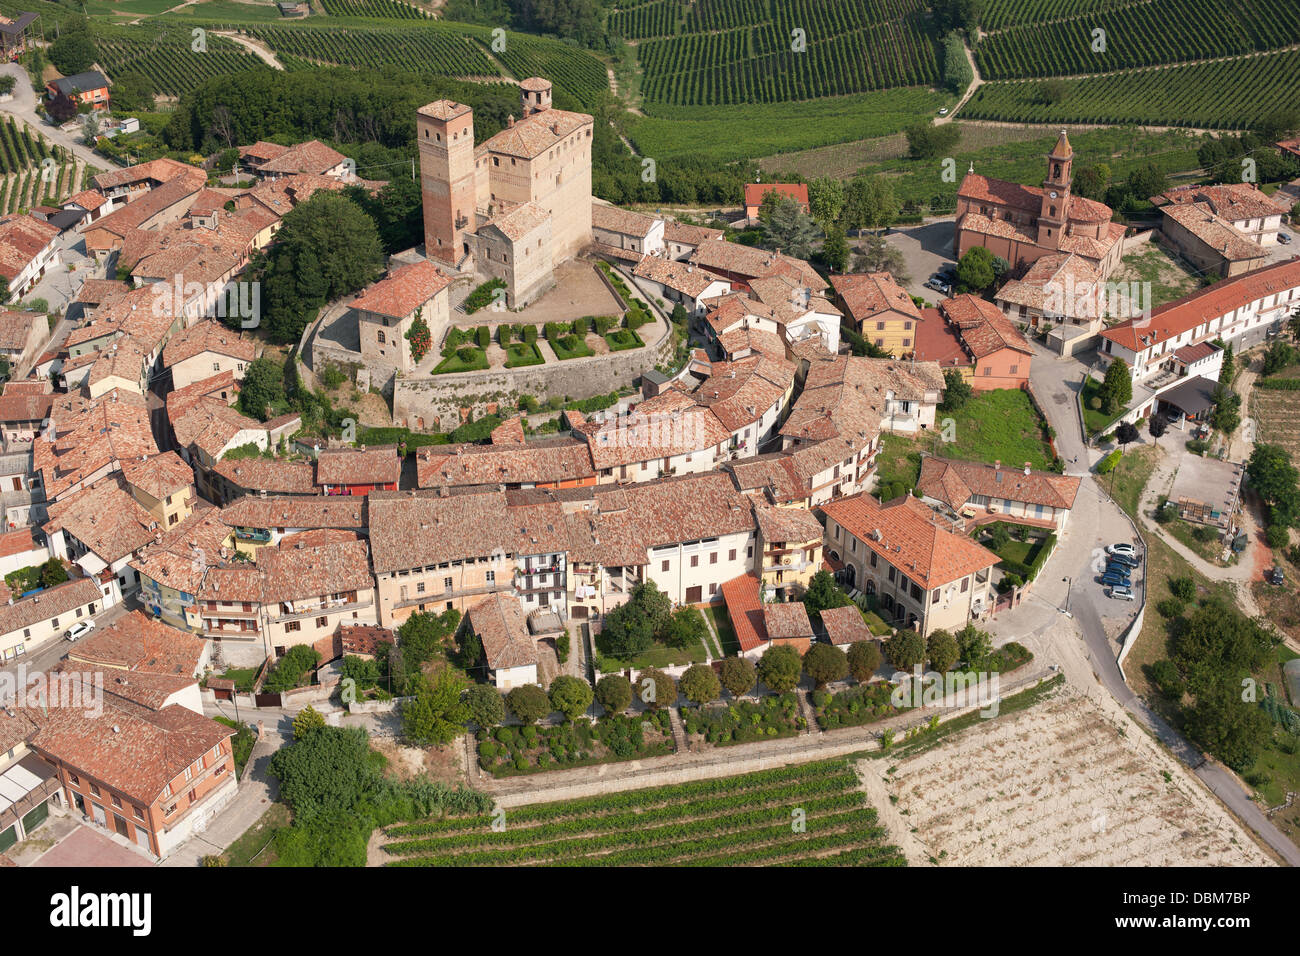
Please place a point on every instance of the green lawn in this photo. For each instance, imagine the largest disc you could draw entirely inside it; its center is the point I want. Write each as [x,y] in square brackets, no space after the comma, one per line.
[570,347]
[1130,476]
[243,678]
[453,363]
[898,466]
[1094,420]
[717,613]
[998,425]
[622,339]
[658,656]
[520,354]
[253,849]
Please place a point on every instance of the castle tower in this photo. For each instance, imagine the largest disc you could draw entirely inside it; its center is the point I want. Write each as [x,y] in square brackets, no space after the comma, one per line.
[535,95]
[1054,211]
[445,131]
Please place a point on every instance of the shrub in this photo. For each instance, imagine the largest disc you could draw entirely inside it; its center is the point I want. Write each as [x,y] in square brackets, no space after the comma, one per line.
[1164,674]
[905,649]
[483,335]
[1107,464]
[1276,536]
[1183,588]
[825,663]
[571,696]
[738,675]
[529,703]
[530,334]
[700,685]
[656,689]
[614,691]
[485,706]
[1169,607]
[864,660]
[779,668]
[1095,403]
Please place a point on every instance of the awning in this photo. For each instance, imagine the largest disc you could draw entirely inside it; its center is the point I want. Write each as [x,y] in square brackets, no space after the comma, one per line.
[1191,397]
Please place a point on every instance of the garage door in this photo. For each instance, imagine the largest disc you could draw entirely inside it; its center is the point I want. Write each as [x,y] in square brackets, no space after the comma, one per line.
[7,839]
[35,817]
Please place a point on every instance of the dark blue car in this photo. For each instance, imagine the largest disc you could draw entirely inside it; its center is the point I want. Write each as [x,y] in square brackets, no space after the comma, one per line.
[1115,579]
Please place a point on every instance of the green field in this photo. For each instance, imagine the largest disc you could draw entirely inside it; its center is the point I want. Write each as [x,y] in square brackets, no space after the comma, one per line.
[998,425]
[749,819]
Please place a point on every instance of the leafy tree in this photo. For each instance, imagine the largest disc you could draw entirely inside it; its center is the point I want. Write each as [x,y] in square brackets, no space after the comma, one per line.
[780,667]
[262,390]
[928,140]
[1126,433]
[876,254]
[1147,180]
[826,198]
[790,230]
[1233,730]
[396,211]
[905,650]
[484,705]
[1157,425]
[61,107]
[290,669]
[686,628]
[823,594]
[571,696]
[1053,90]
[941,647]
[53,572]
[825,663]
[630,629]
[437,715]
[975,270]
[326,772]
[307,720]
[864,660]
[975,645]
[614,692]
[327,247]
[1117,387]
[1091,182]
[870,202]
[73,52]
[738,675]
[700,685]
[423,635]
[1165,675]
[956,391]
[1280,355]
[958,15]
[471,651]
[655,688]
[529,703]
[1227,409]
[680,316]
[1274,478]
[1217,644]
[835,249]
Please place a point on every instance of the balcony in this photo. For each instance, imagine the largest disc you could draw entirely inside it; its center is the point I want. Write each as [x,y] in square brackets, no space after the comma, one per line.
[261,535]
[327,607]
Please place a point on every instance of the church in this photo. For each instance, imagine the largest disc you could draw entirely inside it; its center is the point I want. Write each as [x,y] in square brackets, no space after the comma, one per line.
[1025,223]
[516,205]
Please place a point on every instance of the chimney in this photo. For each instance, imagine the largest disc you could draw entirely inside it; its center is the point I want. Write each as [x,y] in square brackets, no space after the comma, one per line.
[510,121]
[1026,468]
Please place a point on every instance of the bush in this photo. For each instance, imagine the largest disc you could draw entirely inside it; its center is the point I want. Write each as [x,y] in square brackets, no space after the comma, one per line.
[1095,403]
[482,296]
[700,685]
[656,689]
[529,703]
[485,706]
[905,650]
[614,692]
[825,663]
[1107,464]
[1169,607]
[1183,588]
[1164,674]
[779,668]
[1276,536]
[864,660]
[483,335]
[530,334]
[571,696]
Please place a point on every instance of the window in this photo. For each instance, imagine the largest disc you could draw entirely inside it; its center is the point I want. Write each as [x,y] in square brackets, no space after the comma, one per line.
[965,585]
[322,622]
[382,340]
[216,366]
[116,801]
[664,566]
[491,577]
[446,584]
[293,625]
[695,560]
[189,773]
[1013,369]
[713,557]
[987,370]
[76,782]
[731,555]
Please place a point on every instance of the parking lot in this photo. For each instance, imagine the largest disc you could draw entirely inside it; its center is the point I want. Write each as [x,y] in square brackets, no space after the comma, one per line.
[926,249]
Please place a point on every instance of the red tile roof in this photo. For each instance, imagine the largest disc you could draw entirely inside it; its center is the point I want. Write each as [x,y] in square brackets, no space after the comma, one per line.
[755,193]
[745,608]
[499,623]
[954,482]
[982,326]
[869,294]
[342,467]
[845,625]
[142,644]
[207,336]
[403,290]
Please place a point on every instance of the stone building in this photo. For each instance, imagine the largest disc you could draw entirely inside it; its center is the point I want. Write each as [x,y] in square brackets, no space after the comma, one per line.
[515,205]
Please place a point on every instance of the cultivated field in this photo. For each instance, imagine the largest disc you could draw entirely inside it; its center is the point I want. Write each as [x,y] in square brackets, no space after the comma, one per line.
[812,814]
[1063,783]
[1277,415]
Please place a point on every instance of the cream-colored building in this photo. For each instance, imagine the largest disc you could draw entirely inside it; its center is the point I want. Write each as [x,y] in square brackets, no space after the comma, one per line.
[34,621]
[387,311]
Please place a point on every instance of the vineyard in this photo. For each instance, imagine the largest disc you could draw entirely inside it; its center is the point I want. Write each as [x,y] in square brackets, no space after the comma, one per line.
[573,70]
[426,49]
[1227,94]
[808,815]
[1137,35]
[31,187]
[699,56]
[1000,14]
[167,59]
[20,148]
[376,9]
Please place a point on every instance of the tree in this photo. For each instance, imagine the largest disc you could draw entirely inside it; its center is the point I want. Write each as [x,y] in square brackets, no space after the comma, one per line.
[1281,354]
[262,390]
[825,663]
[1126,434]
[73,53]
[132,91]
[90,130]
[307,720]
[1227,409]
[928,140]
[326,772]
[975,645]
[61,107]
[1157,425]
[470,652]
[1091,182]
[437,715]
[822,594]
[941,647]
[826,196]
[1116,388]
[870,202]
[1274,477]
[1233,730]
[835,249]
[956,391]
[779,668]
[975,270]
[1053,91]
[656,689]
[327,248]
[877,255]
[1146,181]
[958,15]
[395,211]
[738,675]
[790,230]
[529,703]
[571,696]
[686,628]
[423,635]
[53,572]
[905,650]
[484,705]
[614,693]
[700,685]
[864,660]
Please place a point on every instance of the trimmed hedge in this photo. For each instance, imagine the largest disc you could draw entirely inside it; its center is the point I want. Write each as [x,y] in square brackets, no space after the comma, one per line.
[482,296]
[1107,464]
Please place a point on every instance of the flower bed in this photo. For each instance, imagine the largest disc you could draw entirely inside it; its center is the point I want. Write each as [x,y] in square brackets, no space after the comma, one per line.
[745,721]
[519,355]
[515,751]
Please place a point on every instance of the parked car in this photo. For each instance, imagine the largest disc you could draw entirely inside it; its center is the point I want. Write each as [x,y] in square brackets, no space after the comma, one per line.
[943,111]
[80,629]
[1113,579]
[1122,593]
[1282,237]
[1275,576]
[1127,560]
[1122,547]
[1119,567]
[947,273]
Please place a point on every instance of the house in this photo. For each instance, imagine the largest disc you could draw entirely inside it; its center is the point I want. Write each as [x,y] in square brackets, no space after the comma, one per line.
[1065,296]
[255,521]
[358,471]
[24,410]
[312,582]
[21,335]
[679,282]
[759,624]
[89,439]
[20,549]
[171,569]
[102,528]
[509,649]
[138,650]
[388,310]
[1210,242]
[921,574]
[88,88]
[563,462]
[740,264]
[975,337]
[150,205]
[131,182]
[312,158]
[364,640]
[627,231]
[205,349]
[235,477]
[789,548]
[755,193]
[975,491]
[880,310]
[33,621]
[1021,224]
[1240,311]
[1243,206]
[13,35]
[682,239]
[161,485]
[845,625]
[28,247]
